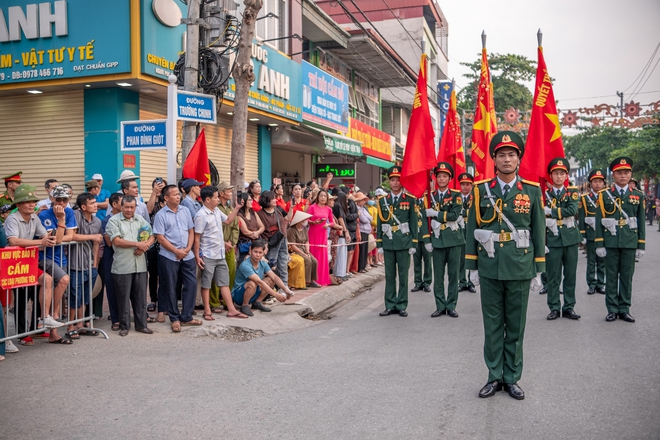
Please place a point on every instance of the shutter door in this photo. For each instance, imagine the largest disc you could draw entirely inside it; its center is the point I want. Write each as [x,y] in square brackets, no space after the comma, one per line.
[44,136]
[218,144]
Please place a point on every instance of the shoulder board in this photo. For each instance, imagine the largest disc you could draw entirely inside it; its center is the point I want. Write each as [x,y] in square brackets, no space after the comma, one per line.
[529,182]
[380,197]
[410,195]
[637,191]
[603,190]
[454,190]
[573,187]
[482,181]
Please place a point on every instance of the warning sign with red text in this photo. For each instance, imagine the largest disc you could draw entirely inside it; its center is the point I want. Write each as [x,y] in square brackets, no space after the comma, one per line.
[18,267]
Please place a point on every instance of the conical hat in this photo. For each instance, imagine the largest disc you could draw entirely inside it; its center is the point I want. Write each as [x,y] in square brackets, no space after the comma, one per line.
[299,216]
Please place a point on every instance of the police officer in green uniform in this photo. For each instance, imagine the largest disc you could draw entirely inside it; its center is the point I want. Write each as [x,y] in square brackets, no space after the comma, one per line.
[506,253]
[620,237]
[466,181]
[422,257]
[587,218]
[446,239]
[12,181]
[397,240]
[562,239]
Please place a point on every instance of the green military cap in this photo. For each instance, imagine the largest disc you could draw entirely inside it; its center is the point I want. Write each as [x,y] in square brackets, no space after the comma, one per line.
[25,193]
[444,167]
[559,163]
[596,174]
[394,171]
[621,163]
[465,178]
[506,139]
[15,177]
[91,184]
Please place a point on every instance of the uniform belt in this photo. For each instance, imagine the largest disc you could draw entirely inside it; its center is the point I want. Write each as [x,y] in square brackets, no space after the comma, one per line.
[502,237]
[395,228]
[560,222]
[622,222]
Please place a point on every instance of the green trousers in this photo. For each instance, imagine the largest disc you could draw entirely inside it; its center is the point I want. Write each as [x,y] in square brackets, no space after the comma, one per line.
[422,265]
[463,280]
[561,260]
[449,257]
[396,262]
[504,310]
[619,268]
[595,267]
[214,293]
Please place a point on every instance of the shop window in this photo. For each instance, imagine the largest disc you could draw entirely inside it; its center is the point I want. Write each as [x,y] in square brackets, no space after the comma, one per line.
[273,27]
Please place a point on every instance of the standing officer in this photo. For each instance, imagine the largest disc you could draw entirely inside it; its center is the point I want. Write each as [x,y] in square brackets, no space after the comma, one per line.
[620,237]
[396,239]
[467,181]
[562,240]
[505,251]
[587,218]
[447,239]
[12,182]
[422,257]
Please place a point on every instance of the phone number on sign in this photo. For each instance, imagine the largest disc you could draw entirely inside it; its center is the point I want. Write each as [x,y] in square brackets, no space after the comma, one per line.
[34,73]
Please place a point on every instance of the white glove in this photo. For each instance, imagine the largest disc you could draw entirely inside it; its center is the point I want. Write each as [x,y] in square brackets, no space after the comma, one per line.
[584,241]
[639,253]
[601,252]
[474,277]
[536,285]
[431,213]
[428,247]
[547,251]
[412,251]
[380,251]
[547,211]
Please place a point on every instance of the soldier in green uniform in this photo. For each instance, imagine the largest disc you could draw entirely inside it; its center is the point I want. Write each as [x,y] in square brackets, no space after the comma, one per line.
[506,254]
[12,181]
[446,239]
[620,237]
[422,257]
[587,218]
[467,182]
[397,240]
[562,240]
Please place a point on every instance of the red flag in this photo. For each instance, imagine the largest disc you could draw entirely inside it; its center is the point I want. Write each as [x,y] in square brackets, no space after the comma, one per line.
[485,123]
[196,165]
[544,141]
[419,156]
[451,144]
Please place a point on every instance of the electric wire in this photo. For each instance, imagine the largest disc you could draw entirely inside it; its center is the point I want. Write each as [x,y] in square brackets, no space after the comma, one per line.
[645,81]
[644,69]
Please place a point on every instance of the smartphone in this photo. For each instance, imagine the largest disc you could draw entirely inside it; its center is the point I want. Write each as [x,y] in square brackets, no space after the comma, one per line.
[53,233]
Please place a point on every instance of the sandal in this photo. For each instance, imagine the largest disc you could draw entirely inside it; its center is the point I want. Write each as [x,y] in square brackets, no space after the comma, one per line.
[27,341]
[217,310]
[208,317]
[63,341]
[238,315]
[115,327]
[88,332]
[73,334]
[151,307]
[160,318]
[176,326]
[192,322]
[151,319]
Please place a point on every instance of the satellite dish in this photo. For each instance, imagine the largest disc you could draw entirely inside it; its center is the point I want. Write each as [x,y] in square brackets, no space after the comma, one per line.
[167,12]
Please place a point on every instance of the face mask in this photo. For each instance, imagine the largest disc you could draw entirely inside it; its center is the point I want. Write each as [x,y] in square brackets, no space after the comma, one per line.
[304,223]
[371,202]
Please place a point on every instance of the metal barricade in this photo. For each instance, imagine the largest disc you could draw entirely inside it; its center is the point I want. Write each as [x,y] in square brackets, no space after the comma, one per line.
[33,304]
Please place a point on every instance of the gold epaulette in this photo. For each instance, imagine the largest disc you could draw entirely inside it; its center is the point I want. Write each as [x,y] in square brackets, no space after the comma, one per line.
[573,187]
[454,190]
[529,182]
[411,196]
[482,181]
[604,189]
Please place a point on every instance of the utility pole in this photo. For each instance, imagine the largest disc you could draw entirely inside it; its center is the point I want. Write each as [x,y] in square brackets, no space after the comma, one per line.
[191,75]
[243,76]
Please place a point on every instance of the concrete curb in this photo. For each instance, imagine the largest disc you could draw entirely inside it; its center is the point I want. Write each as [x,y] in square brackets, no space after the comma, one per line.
[331,296]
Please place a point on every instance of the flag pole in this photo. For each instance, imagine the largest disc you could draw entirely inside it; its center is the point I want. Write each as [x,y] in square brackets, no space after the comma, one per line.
[483,39]
[539,37]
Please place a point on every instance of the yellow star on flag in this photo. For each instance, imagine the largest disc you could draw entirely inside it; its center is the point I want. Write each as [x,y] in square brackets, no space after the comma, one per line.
[208,178]
[483,123]
[555,120]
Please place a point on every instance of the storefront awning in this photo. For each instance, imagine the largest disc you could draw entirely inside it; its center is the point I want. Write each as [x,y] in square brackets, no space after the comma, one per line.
[379,162]
[337,143]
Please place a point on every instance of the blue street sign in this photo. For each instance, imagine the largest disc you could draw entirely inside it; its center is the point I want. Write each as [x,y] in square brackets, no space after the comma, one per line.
[144,135]
[195,107]
[445,88]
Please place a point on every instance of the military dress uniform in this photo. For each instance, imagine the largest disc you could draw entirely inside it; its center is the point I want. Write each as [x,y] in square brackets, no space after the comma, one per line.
[507,262]
[447,239]
[396,235]
[464,282]
[621,231]
[5,197]
[422,258]
[587,220]
[562,239]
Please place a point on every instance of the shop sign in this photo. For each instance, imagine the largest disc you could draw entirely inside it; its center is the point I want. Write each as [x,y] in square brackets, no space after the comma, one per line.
[444,94]
[340,170]
[195,107]
[325,98]
[63,39]
[18,267]
[162,35]
[342,146]
[144,135]
[375,143]
[276,87]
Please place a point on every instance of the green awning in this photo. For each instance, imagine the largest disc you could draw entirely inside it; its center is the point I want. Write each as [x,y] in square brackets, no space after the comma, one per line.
[379,162]
[337,143]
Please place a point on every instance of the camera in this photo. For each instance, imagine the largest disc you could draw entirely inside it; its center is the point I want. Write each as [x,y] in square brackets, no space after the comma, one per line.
[307,192]
[240,195]
[158,180]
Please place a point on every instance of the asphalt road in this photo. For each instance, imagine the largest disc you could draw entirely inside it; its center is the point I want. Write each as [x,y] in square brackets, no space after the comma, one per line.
[356,375]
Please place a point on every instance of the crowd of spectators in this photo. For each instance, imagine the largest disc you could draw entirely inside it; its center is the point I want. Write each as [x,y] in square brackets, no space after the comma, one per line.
[189,247]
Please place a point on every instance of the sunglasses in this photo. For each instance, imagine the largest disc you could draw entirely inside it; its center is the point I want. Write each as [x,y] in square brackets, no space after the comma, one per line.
[61,199]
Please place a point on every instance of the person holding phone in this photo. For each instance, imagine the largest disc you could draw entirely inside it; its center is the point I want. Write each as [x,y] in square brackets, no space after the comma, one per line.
[319,222]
